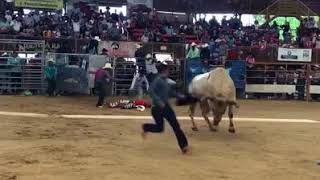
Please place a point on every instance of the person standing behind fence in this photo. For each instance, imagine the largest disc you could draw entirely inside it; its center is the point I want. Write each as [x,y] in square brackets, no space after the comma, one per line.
[151,68]
[103,83]
[137,83]
[159,92]
[140,57]
[50,72]
[15,65]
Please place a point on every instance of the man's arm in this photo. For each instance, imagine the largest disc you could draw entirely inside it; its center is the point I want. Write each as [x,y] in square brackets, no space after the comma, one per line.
[134,81]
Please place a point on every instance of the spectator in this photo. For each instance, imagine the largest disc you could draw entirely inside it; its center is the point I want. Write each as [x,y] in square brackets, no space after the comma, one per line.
[16,25]
[194,52]
[281,75]
[50,73]
[318,42]
[115,16]
[15,67]
[145,38]
[114,33]
[140,55]
[105,52]
[76,26]
[250,60]
[8,16]
[151,68]
[205,54]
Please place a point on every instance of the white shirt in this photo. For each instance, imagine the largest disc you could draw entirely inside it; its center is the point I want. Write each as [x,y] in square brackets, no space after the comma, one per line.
[137,82]
[318,44]
[144,39]
[151,67]
[76,27]
[8,18]
[36,18]
[16,25]
[29,21]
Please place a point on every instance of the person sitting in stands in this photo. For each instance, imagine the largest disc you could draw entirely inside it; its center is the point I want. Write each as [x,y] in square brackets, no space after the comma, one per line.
[194,52]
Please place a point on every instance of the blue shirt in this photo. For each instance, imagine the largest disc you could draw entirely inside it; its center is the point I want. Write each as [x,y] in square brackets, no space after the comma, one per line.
[160,90]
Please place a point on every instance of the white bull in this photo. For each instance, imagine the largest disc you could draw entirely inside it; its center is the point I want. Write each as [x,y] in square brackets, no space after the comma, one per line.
[215,91]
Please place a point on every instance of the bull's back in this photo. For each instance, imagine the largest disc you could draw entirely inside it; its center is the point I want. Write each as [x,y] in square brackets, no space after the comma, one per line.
[221,85]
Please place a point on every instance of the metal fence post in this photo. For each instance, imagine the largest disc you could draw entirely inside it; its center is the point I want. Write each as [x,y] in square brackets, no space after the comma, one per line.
[308,83]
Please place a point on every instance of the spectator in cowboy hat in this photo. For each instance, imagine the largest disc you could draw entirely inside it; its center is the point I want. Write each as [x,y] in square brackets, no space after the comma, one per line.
[50,73]
[194,52]
[161,109]
[103,83]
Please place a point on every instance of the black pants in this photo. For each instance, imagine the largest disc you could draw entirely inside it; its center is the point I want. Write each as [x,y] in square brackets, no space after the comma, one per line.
[52,84]
[101,88]
[159,114]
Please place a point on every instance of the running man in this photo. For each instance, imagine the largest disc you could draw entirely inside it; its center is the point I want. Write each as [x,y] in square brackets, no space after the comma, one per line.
[160,91]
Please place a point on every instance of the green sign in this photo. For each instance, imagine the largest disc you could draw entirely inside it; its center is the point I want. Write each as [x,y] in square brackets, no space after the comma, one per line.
[44,4]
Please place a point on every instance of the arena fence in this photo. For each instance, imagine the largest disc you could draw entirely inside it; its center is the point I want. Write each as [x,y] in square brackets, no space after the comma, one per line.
[25,72]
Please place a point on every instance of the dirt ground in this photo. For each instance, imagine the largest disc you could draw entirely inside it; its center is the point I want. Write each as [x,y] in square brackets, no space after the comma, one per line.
[87,149]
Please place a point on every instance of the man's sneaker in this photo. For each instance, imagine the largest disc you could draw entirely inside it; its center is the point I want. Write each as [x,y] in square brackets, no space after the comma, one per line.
[100,107]
[186,150]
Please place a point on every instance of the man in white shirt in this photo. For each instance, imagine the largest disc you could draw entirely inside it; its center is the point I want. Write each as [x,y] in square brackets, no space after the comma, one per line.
[8,16]
[16,25]
[36,17]
[76,27]
[28,21]
[151,68]
[137,83]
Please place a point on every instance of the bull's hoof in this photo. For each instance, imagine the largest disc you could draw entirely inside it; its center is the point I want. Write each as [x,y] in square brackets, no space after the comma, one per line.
[195,129]
[232,130]
[215,128]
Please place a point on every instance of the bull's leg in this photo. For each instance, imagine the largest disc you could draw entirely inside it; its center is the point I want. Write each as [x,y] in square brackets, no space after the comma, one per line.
[205,109]
[231,125]
[216,121]
[192,112]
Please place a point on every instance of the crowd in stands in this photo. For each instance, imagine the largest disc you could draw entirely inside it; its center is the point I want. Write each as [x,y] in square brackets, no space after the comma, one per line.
[89,24]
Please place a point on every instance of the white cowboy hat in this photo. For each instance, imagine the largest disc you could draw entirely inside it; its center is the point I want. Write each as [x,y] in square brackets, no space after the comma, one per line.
[205,45]
[107,66]
[50,60]
[138,45]
[148,56]
[193,44]
[97,38]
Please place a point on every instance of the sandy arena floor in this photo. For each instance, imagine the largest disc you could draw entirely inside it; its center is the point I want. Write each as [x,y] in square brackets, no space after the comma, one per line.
[90,149]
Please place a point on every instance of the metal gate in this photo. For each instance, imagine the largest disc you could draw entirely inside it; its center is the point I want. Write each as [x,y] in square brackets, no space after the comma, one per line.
[21,66]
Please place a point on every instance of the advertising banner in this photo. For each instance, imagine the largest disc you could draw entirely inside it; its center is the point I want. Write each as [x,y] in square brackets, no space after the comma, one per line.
[44,4]
[118,49]
[148,3]
[294,55]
